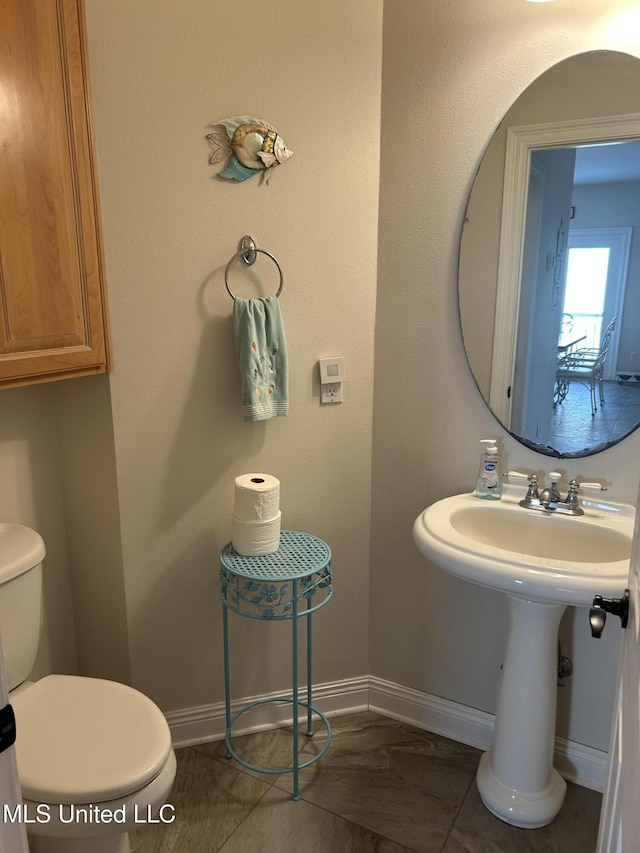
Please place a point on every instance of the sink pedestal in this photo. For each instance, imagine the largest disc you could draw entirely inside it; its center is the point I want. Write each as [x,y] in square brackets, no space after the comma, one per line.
[543,562]
[516,777]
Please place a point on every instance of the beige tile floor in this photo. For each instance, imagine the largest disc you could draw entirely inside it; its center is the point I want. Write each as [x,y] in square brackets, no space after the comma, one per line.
[574,428]
[382,787]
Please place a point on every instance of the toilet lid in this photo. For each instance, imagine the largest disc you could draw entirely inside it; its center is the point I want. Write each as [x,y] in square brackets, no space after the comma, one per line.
[85,740]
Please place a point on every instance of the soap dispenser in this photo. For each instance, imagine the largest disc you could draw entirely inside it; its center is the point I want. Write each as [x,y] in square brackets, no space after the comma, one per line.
[489,483]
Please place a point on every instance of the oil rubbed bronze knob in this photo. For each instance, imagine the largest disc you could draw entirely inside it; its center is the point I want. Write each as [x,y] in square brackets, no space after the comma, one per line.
[602,606]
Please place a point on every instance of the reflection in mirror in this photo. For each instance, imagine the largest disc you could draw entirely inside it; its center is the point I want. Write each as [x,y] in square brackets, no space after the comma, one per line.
[549,278]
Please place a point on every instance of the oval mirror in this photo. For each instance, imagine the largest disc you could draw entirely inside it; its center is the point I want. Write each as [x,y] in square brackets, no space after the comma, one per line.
[549,274]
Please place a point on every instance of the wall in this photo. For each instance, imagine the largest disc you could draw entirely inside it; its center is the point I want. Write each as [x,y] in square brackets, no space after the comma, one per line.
[84,420]
[32,494]
[450,73]
[161,73]
[147,456]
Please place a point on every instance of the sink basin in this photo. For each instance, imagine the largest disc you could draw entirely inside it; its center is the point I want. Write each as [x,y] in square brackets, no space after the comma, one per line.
[543,561]
[539,555]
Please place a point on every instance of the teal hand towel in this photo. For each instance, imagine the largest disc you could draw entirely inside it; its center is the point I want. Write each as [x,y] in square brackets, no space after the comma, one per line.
[262,357]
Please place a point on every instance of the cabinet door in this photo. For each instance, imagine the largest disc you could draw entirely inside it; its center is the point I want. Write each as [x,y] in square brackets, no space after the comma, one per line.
[53,310]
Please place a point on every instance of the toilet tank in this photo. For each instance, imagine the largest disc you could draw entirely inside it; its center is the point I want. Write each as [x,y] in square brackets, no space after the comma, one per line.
[21,553]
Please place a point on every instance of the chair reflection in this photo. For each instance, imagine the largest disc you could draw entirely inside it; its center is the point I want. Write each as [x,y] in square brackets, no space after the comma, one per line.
[585,366]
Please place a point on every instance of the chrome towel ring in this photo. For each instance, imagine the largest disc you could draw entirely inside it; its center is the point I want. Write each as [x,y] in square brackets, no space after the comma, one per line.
[248,253]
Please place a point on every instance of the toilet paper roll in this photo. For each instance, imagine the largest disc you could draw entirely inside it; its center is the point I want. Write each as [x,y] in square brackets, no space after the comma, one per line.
[255,538]
[256,497]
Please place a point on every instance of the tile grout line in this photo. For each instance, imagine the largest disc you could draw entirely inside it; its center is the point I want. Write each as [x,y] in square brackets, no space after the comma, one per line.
[459,810]
[245,818]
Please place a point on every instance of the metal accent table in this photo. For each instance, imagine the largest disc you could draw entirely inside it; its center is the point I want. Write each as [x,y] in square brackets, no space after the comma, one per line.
[292,582]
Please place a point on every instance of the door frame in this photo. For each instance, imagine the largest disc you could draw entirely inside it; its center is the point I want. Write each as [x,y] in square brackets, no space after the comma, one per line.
[621,237]
[520,141]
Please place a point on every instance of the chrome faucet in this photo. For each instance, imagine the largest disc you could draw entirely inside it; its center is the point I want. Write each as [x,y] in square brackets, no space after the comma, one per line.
[551,495]
[549,499]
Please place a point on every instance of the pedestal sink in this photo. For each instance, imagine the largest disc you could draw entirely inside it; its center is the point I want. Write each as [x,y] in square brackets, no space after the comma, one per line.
[543,561]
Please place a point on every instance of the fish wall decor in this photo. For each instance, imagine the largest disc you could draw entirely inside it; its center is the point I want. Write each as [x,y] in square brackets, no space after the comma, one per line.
[248,146]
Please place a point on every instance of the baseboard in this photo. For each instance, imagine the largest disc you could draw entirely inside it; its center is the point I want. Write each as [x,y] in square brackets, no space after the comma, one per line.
[578,763]
[449,719]
[191,726]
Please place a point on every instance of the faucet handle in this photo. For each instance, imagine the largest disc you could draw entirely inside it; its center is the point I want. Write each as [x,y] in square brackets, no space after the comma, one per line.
[533,487]
[518,475]
[554,477]
[592,487]
[574,485]
[572,497]
[532,479]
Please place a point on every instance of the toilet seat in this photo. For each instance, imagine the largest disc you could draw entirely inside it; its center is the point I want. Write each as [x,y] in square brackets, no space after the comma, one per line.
[86,740]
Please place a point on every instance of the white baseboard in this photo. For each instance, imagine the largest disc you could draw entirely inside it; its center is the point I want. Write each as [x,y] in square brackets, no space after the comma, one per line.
[449,719]
[581,764]
[191,726]
[576,762]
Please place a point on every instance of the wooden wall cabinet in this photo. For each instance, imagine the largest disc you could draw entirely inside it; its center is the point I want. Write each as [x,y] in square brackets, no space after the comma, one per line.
[53,303]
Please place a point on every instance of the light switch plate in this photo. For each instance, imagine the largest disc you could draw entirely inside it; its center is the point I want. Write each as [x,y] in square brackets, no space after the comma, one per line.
[331,370]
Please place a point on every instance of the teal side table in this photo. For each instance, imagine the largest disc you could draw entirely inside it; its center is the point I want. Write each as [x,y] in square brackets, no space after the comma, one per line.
[293,582]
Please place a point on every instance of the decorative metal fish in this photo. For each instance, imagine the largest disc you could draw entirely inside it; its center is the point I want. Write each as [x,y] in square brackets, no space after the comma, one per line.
[250,145]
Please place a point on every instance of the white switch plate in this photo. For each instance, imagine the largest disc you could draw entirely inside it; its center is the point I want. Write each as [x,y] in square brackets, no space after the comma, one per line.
[331,379]
[331,370]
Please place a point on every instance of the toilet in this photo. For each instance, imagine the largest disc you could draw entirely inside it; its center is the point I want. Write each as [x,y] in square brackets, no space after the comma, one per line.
[95,758]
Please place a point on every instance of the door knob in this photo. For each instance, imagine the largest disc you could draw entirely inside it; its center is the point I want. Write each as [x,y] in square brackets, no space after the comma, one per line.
[602,606]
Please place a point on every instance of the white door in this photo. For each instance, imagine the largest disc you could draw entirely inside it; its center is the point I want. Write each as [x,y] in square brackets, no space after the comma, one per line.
[541,288]
[620,819]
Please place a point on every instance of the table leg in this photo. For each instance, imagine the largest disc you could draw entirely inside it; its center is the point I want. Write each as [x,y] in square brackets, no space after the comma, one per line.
[294,622]
[227,693]
[309,676]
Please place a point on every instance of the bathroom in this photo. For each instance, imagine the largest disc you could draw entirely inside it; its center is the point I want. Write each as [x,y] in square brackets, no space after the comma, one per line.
[129,477]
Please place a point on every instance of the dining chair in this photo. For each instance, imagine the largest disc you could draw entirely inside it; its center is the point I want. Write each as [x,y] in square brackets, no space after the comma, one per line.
[585,366]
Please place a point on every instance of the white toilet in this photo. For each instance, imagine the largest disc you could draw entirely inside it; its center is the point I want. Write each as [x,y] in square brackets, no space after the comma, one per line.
[94,757]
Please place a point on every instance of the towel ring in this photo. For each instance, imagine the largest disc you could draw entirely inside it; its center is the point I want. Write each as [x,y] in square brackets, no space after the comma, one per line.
[242,254]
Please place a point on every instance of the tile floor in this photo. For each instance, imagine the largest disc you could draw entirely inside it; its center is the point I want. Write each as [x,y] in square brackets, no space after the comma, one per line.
[574,428]
[382,787]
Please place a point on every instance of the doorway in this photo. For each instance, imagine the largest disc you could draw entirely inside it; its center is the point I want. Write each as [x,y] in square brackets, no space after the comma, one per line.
[597,264]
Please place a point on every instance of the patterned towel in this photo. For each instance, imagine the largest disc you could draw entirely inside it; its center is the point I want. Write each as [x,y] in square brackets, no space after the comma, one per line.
[262,356]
